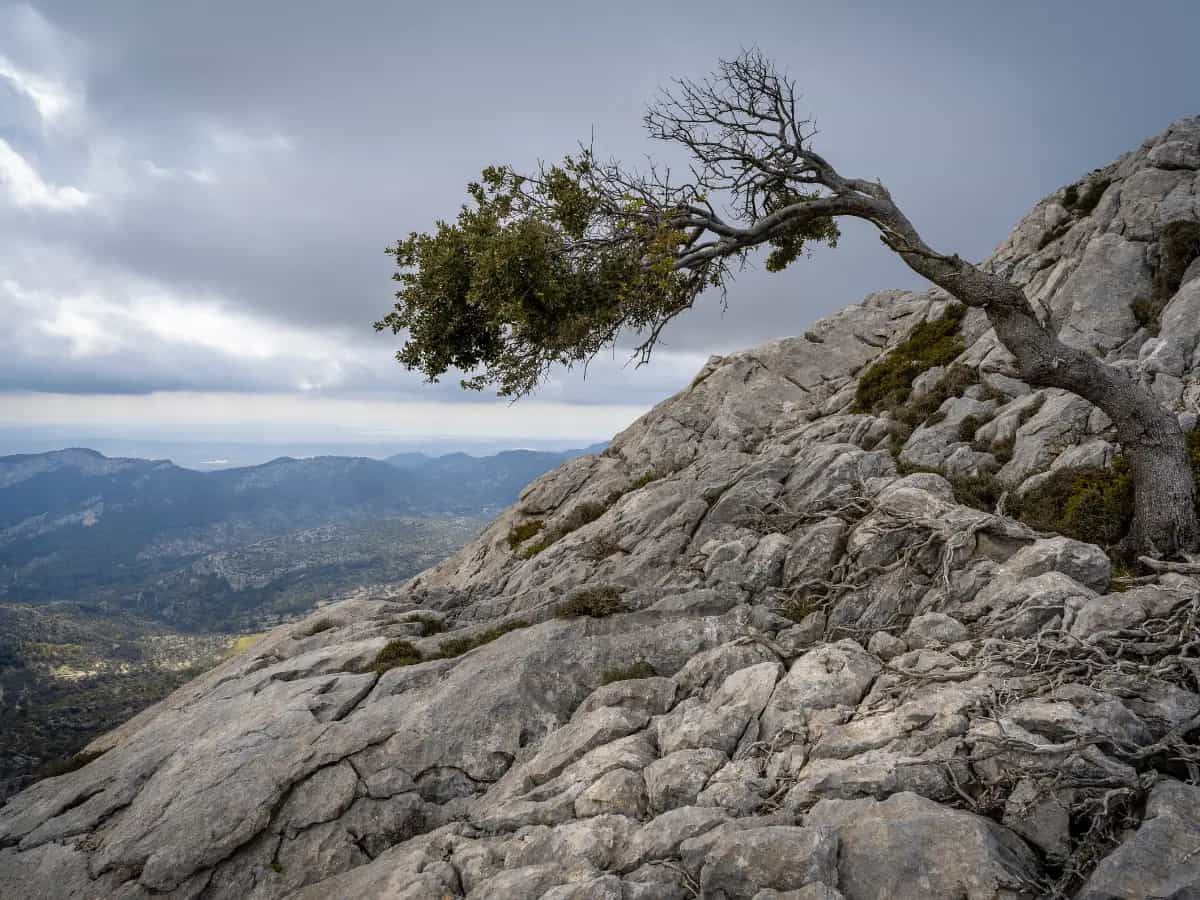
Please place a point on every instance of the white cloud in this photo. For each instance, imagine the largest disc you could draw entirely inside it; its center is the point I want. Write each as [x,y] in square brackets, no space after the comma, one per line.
[119,319]
[295,416]
[54,101]
[26,188]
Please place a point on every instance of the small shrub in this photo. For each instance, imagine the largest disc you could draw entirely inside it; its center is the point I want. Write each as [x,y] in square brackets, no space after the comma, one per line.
[73,763]
[600,548]
[799,607]
[581,514]
[523,532]
[991,392]
[928,409]
[1003,450]
[593,602]
[981,492]
[452,647]
[316,628]
[1148,312]
[639,669]
[888,383]
[1081,201]
[395,654]
[644,479]
[967,428]
[1094,505]
[1178,248]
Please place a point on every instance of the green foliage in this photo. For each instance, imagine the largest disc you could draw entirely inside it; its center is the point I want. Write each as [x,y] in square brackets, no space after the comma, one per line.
[1094,504]
[581,514]
[1083,197]
[1147,312]
[452,647]
[790,244]
[395,654]
[639,669]
[316,628]
[644,479]
[68,764]
[888,383]
[1178,248]
[515,285]
[799,607]
[593,602]
[977,491]
[967,428]
[523,532]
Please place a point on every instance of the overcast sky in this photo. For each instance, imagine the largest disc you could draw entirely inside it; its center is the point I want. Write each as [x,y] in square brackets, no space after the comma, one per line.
[195,196]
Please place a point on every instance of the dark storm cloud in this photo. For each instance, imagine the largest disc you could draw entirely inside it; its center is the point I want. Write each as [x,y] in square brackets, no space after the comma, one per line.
[255,159]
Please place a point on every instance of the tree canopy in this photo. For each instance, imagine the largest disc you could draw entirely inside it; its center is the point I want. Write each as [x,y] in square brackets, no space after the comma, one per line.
[548,268]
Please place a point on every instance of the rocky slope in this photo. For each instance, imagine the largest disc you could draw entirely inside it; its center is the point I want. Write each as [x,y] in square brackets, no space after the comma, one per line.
[954,705]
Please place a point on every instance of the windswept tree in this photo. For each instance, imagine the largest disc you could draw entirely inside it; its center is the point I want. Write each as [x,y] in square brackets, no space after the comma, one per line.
[547,268]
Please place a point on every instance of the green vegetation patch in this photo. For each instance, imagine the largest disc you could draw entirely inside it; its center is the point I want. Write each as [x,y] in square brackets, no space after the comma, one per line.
[800,606]
[1178,248]
[395,654]
[593,602]
[67,764]
[316,628]
[523,532]
[888,383]
[1093,504]
[452,647]
[1081,198]
[400,652]
[639,669]
[1148,313]
[581,514]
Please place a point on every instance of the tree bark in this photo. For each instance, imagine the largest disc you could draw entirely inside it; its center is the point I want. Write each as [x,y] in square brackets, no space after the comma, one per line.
[1165,522]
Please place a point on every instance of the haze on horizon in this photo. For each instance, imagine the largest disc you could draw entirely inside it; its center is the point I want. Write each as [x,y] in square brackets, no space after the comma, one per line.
[195,199]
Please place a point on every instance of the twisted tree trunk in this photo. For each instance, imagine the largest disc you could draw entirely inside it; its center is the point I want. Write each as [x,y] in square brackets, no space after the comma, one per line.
[1165,522]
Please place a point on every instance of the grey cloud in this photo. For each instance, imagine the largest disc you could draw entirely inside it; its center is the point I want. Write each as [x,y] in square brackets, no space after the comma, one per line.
[345,127]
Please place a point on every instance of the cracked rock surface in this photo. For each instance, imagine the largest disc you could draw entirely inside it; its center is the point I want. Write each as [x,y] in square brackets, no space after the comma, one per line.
[826,678]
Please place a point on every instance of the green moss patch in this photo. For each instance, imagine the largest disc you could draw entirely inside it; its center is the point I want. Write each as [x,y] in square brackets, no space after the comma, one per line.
[888,383]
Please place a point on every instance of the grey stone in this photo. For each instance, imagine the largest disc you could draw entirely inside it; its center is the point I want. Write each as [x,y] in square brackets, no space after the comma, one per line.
[677,778]
[910,848]
[741,863]
[934,629]
[620,792]
[1086,563]
[1159,859]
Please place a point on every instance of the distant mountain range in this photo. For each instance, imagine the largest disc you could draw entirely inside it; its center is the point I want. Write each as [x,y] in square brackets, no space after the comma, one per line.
[140,535]
[120,577]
